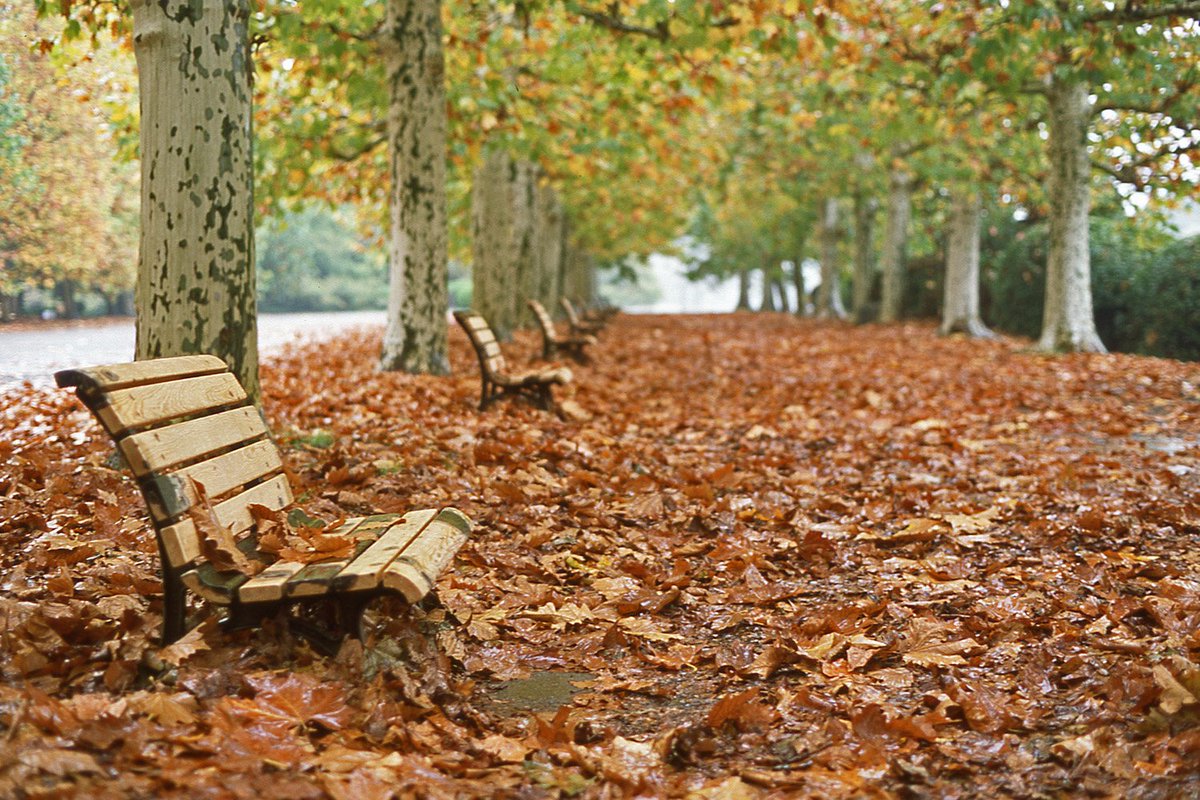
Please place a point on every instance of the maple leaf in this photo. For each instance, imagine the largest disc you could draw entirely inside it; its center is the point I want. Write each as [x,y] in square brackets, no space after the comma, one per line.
[188,645]
[925,644]
[973,523]
[298,699]
[167,709]
[645,628]
[217,542]
[361,784]
[504,748]
[743,710]
[1173,695]
[60,762]
[560,618]
[772,659]
[986,710]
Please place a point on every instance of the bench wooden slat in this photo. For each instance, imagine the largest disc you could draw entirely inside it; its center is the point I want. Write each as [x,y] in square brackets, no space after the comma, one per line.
[414,571]
[119,376]
[314,580]
[215,586]
[153,404]
[179,540]
[162,448]
[173,493]
[372,526]
[267,586]
[364,571]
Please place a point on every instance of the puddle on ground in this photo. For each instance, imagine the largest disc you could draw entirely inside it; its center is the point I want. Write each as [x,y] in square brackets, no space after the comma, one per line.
[1170,445]
[541,691]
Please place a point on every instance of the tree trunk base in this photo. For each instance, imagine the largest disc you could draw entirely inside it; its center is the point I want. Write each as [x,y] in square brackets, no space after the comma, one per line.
[971,328]
[1064,342]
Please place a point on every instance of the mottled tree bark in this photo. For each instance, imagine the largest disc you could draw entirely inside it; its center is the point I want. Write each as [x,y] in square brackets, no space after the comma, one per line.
[802,308]
[526,281]
[960,304]
[579,277]
[864,261]
[781,295]
[829,294]
[1068,323]
[492,273]
[67,292]
[895,241]
[415,340]
[548,247]
[766,297]
[195,285]
[743,301]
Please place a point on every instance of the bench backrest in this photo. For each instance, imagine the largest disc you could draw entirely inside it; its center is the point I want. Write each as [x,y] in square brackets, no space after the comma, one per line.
[543,318]
[567,307]
[182,420]
[491,359]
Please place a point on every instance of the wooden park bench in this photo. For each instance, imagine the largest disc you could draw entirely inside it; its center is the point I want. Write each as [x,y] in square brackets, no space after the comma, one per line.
[579,326]
[497,381]
[184,426]
[552,343]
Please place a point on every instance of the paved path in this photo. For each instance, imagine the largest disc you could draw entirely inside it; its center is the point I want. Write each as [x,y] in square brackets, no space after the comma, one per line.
[34,355]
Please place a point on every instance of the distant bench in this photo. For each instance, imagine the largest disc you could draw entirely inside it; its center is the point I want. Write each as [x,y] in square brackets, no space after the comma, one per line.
[552,342]
[495,378]
[579,325]
[186,421]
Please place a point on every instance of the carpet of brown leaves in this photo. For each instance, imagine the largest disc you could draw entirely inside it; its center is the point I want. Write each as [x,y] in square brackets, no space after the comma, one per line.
[780,559]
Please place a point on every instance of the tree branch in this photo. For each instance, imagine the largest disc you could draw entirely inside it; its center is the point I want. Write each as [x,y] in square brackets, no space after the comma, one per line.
[1134,12]
[611,19]
[661,31]
[1128,173]
[1182,89]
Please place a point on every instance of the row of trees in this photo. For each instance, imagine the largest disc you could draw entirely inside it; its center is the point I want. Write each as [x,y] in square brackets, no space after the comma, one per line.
[1032,105]
[614,122]
[68,209]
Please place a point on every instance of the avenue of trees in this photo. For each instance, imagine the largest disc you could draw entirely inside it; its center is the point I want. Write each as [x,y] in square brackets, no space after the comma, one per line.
[537,141]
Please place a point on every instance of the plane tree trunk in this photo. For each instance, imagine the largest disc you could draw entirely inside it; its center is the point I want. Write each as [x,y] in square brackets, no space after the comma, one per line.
[415,339]
[1068,322]
[493,274]
[895,240]
[960,304]
[864,265]
[195,286]
[829,295]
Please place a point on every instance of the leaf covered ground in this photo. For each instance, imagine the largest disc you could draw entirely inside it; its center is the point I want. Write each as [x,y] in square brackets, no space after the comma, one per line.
[780,559]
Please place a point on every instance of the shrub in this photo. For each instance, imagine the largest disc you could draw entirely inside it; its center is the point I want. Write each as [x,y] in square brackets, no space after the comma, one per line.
[1165,303]
[1014,256]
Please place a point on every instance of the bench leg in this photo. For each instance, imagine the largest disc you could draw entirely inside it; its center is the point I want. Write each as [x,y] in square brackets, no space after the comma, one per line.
[350,610]
[174,607]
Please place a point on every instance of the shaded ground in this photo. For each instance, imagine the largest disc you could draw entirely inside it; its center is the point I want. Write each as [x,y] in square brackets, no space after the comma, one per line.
[782,559]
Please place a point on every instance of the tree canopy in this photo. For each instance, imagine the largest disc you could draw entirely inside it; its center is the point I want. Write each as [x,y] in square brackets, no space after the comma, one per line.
[642,113]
